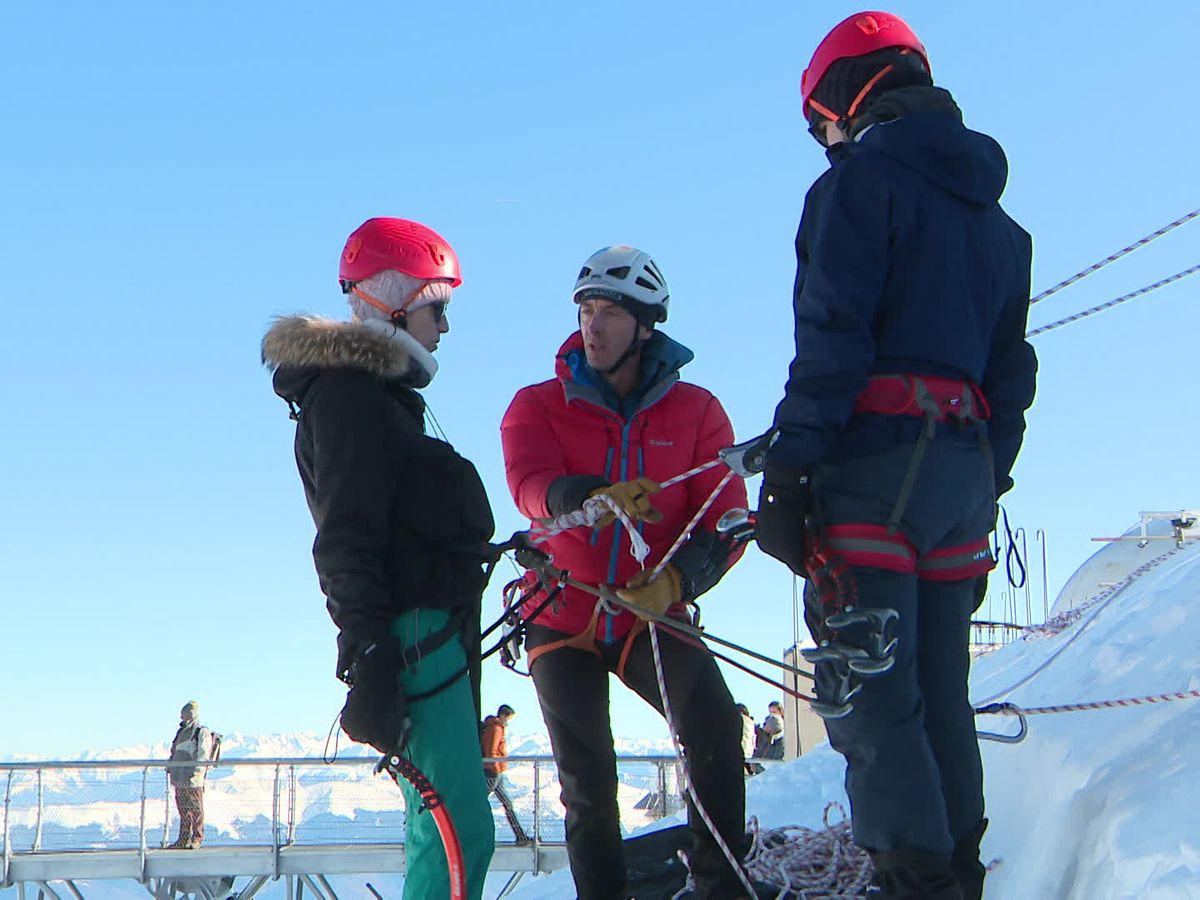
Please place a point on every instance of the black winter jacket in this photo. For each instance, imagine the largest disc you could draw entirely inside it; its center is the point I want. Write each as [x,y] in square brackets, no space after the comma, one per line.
[402,520]
[907,264]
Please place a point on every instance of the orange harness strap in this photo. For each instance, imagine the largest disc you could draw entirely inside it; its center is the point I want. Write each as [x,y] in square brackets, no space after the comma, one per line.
[639,626]
[584,640]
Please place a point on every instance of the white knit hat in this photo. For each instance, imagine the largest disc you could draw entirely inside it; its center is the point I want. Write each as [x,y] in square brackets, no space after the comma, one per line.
[392,288]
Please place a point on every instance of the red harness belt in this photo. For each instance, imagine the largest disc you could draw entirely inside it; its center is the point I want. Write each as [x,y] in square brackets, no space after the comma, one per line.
[923,395]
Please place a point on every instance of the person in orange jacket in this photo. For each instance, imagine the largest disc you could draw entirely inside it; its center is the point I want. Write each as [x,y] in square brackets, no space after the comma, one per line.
[494,744]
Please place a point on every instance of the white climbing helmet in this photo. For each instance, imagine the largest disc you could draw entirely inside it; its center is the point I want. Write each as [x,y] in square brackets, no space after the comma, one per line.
[626,276]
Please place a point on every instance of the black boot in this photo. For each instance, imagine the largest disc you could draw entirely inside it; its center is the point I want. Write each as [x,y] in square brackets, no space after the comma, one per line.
[909,874]
[965,862]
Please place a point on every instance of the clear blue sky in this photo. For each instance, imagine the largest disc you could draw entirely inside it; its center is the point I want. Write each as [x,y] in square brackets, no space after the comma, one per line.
[175,175]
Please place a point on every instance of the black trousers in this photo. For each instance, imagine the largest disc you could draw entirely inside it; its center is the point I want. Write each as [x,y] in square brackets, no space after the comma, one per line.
[572,687]
[496,786]
[913,771]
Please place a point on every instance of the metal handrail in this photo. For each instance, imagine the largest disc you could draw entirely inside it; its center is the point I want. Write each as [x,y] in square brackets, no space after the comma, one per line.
[247,800]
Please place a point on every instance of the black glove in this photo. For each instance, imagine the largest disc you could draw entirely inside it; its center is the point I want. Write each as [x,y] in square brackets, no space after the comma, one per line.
[784,502]
[376,710]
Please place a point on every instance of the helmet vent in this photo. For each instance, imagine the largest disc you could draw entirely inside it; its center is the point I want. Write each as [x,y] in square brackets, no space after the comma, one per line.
[648,285]
[584,273]
[621,272]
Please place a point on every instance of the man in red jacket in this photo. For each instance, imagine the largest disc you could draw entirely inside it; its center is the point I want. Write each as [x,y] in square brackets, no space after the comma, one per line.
[617,420]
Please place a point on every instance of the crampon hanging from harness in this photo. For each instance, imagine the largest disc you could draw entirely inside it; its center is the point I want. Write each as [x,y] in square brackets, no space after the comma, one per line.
[857,643]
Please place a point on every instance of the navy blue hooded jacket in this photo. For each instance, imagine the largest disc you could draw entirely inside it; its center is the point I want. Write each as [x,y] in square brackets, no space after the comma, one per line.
[907,264]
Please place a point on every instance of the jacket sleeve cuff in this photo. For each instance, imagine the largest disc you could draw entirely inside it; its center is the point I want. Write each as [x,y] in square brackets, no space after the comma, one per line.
[567,492]
[701,562]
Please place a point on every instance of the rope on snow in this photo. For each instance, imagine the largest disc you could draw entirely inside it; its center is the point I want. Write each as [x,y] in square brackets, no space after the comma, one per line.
[805,863]
[1061,621]
[1011,709]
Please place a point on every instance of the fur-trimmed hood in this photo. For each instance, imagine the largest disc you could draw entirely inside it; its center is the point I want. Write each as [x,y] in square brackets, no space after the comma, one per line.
[313,342]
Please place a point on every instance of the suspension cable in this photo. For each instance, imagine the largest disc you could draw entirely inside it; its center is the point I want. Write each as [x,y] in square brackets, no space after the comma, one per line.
[1111,303]
[1095,267]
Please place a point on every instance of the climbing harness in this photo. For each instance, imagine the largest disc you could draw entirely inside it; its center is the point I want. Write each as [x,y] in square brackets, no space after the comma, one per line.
[854,643]
[745,459]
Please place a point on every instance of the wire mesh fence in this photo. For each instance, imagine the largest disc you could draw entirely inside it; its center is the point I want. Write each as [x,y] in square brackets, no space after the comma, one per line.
[124,805]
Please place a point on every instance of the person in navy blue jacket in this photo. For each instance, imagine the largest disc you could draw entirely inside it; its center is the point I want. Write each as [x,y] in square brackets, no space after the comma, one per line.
[903,413]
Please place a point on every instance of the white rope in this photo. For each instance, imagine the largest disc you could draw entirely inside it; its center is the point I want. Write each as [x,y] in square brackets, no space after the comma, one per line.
[681,762]
[690,527]
[1061,621]
[805,863]
[592,511]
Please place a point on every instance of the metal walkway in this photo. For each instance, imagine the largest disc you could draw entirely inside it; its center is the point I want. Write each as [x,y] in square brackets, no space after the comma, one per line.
[294,822]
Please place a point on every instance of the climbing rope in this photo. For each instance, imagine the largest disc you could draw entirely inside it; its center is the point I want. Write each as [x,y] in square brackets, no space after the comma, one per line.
[807,863]
[1011,709]
[592,511]
[1111,303]
[691,525]
[681,763]
[1095,267]
[1101,601]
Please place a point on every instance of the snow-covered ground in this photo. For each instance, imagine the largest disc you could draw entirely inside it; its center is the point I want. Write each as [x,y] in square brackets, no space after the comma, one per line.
[1093,805]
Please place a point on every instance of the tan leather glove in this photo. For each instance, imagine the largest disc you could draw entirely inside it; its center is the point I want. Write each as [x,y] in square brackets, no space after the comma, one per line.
[633,497]
[655,596]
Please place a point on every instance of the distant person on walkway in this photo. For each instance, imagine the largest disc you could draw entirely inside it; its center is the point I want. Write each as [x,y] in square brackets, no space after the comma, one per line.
[748,739]
[494,745]
[192,742]
[771,732]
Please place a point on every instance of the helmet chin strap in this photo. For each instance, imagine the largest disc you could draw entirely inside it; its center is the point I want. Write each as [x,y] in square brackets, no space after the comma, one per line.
[634,346]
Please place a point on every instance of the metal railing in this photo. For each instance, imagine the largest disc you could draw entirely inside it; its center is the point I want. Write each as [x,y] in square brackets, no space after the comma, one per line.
[70,810]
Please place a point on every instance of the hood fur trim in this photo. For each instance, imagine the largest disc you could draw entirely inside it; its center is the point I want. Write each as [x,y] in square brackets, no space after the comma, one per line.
[316,342]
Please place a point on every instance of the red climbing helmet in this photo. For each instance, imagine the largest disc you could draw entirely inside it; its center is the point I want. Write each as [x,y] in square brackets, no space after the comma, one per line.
[862,33]
[400,244]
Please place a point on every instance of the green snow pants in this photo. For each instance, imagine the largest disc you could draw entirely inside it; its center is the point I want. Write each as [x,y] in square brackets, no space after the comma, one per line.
[445,746]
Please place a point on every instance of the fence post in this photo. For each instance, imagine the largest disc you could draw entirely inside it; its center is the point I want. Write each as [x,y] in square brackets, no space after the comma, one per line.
[537,804]
[37,832]
[7,848]
[142,822]
[1040,537]
[662,789]
[275,818]
[291,830]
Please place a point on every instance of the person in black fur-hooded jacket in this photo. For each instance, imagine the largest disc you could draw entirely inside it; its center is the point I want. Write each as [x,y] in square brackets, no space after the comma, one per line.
[402,527]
